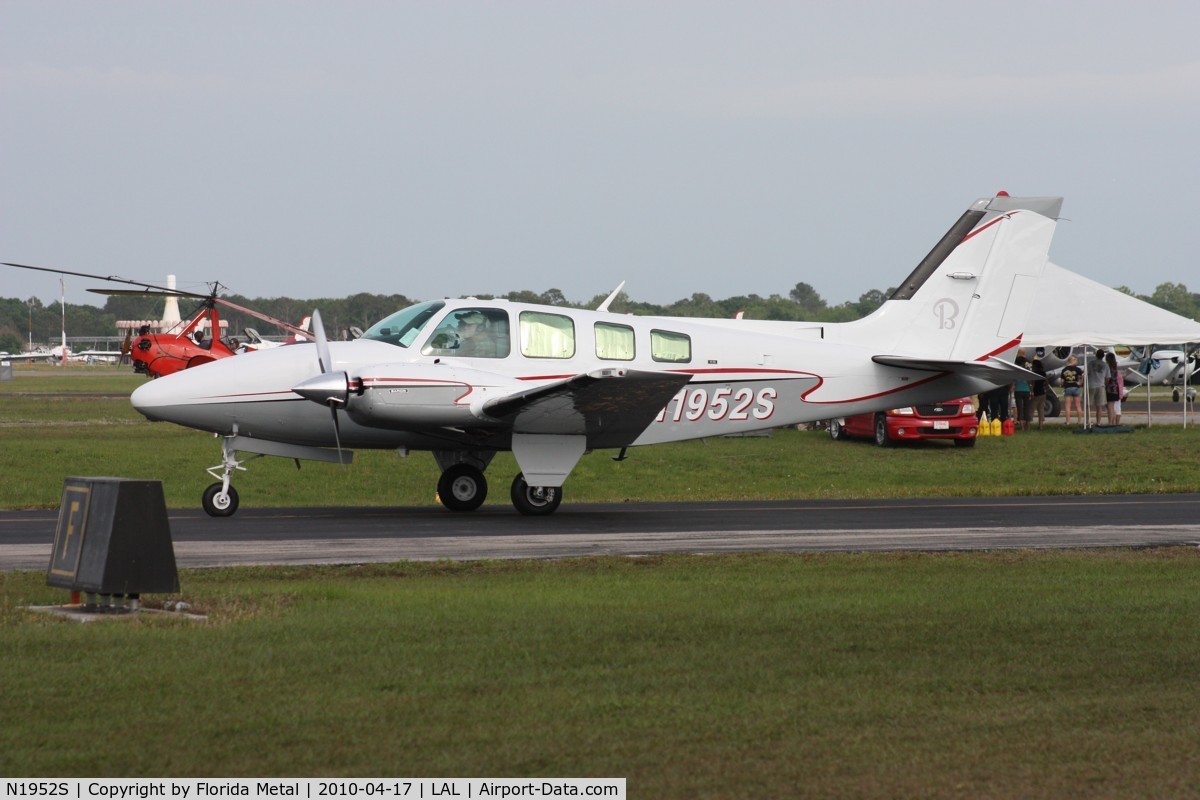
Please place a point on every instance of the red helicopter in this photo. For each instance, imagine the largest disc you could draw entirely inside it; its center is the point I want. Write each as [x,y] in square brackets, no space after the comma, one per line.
[158,354]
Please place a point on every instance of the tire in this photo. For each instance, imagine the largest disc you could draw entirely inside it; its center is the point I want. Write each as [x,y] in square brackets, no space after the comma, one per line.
[218,504]
[965,442]
[1051,405]
[837,431]
[881,432]
[462,488]
[535,501]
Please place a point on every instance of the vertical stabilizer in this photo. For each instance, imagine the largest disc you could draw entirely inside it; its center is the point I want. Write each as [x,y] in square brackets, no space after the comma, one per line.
[970,298]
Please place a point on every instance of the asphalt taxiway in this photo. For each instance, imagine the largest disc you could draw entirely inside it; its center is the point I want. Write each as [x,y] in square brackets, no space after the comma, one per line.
[362,535]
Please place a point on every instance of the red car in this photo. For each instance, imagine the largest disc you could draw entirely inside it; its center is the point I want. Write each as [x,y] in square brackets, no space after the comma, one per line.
[952,419]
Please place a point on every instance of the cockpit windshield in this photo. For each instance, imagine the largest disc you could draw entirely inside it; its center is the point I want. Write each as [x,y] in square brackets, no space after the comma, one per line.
[403,327]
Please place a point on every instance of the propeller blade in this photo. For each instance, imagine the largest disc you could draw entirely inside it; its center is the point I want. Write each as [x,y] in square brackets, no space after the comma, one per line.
[330,388]
[337,434]
[322,344]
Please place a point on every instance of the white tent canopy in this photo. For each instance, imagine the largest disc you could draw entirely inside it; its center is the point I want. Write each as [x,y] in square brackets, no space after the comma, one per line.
[1071,309]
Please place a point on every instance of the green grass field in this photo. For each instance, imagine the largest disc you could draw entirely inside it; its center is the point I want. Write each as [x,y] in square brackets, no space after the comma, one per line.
[989,675]
[1015,674]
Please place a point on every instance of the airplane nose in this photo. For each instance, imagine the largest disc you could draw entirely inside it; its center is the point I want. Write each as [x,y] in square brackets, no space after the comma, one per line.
[148,397]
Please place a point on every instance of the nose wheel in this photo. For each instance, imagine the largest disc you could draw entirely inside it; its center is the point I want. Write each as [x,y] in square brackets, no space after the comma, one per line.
[219,501]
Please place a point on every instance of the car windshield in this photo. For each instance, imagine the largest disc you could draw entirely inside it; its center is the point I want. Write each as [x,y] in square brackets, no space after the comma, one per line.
[403,327]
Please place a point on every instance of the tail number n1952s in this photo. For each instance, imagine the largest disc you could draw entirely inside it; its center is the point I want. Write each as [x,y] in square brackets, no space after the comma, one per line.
[724,403]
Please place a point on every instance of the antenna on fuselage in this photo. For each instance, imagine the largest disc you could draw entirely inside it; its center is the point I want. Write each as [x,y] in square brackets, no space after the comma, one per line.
[604,306]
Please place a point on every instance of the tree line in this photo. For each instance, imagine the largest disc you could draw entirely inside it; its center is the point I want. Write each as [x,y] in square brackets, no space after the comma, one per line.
[19,317]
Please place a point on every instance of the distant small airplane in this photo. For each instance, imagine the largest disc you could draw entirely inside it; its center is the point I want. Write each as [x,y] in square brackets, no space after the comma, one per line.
[468,378]
[256,341]
[1167,367]
[60,353]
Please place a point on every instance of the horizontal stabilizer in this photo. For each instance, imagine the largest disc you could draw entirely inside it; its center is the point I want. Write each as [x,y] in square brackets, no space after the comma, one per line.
[611,406]
[993,369]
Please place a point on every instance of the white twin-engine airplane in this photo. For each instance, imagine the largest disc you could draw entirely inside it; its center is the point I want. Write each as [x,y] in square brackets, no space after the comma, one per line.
[468,378]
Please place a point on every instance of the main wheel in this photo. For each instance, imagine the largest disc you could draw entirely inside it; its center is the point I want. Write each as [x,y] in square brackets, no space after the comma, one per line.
[837,431]
[1051,405]
[881,432]
[462,488]
[534,501]
[219,504]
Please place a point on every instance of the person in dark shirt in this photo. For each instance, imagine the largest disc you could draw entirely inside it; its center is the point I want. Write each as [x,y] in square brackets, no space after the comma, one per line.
[1037,391]
[1072,381]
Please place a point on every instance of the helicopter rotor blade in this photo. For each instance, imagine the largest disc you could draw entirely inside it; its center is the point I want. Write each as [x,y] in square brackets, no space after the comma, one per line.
[264,317]
[110,278]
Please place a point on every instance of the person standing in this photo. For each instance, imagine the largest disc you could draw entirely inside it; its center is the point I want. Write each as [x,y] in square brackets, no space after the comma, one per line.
[1072,382]
[1114,389]
[1022,397]
[1037,390]
[1097,375]
[998,402]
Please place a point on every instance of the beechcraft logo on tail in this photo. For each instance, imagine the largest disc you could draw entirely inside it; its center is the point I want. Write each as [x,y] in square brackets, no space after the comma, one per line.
[946,310]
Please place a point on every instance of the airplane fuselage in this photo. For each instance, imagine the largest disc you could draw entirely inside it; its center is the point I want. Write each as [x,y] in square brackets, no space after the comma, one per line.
[737,376]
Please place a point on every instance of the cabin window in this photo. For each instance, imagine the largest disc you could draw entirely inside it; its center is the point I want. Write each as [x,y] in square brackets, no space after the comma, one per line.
[672,347]
[547,335]
[403,327]
[614,342]
[471,333]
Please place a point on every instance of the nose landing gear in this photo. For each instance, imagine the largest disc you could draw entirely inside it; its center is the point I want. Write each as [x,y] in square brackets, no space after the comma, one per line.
[221,499]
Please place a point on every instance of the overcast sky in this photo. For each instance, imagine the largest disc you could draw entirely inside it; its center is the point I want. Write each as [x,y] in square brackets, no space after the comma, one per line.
[319,149]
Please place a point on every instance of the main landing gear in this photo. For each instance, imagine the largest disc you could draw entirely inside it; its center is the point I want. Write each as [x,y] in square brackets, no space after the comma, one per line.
[464,488]
[461,487]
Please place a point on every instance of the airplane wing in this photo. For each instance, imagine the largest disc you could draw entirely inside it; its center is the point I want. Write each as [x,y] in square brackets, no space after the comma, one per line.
[30,357]
[611,407]
[993,369]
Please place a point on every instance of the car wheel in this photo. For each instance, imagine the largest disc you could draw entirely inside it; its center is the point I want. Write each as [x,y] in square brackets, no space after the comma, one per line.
[881,431]
[965,442]
[837,431]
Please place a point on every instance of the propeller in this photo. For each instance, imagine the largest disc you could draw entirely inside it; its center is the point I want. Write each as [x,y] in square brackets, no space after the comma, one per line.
[329,388]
